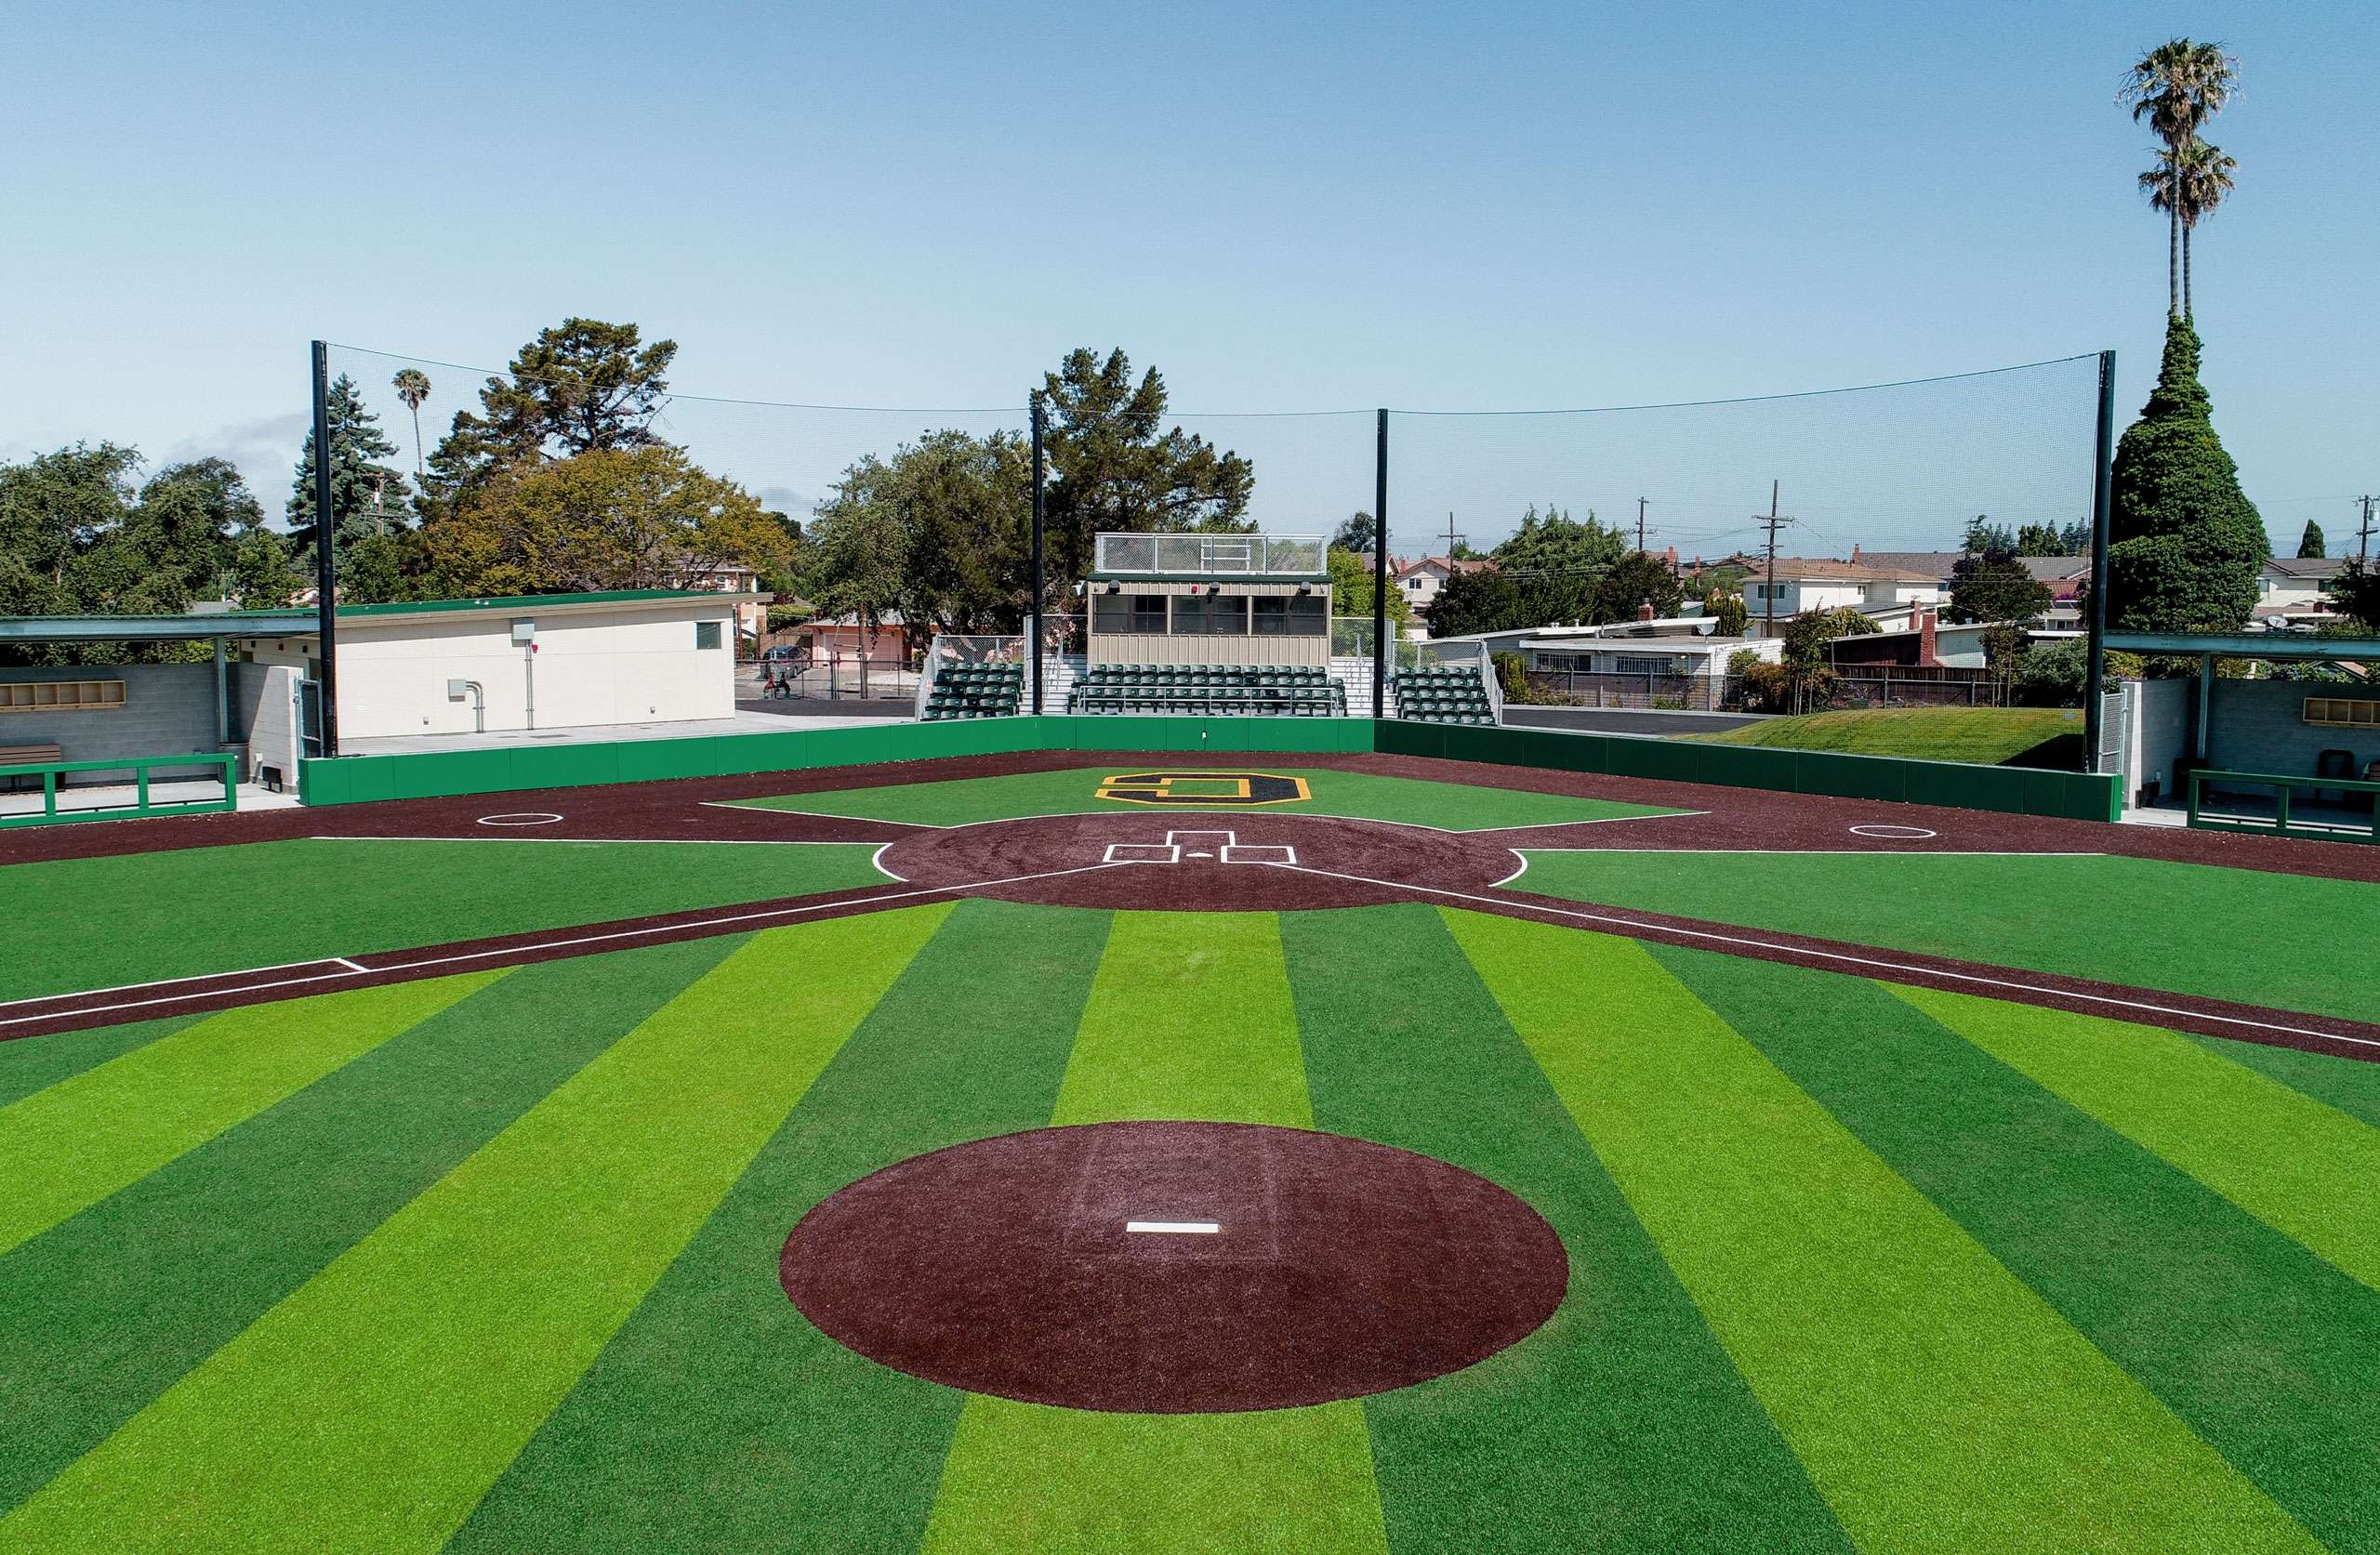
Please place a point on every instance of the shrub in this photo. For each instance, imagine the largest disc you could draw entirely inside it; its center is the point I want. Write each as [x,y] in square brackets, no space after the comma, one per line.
[2186,540]
[1513,677]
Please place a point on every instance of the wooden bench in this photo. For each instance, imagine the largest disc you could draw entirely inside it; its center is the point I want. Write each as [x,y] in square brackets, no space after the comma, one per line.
[28,755]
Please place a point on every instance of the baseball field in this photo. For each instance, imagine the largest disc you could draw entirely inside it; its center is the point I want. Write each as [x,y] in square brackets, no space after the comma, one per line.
[1109,1153]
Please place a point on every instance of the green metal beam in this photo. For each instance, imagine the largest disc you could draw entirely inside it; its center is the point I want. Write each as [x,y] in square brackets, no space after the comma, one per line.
[2274,645]
[241,628]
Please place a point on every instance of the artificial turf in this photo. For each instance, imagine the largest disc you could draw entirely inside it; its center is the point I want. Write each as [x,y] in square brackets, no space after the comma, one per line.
[1074,791]
[2284,941]
[142,918]
[1989,735]
[1851,1265]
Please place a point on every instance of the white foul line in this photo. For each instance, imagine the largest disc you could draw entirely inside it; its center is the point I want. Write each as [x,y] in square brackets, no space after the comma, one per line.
[508,949]
[1196,1228]
[1615,921]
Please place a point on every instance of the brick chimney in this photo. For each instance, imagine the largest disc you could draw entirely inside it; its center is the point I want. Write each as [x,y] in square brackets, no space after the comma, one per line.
[1645,610]
[1855,551]
[1926,657]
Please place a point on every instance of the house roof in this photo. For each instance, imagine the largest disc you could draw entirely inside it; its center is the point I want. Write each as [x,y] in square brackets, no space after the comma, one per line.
[2317,567]
[1445,563]
[1803,568]
[1933,564]
[2056,568]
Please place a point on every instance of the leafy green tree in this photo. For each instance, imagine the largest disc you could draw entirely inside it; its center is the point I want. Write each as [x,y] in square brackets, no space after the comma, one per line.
[863,567]
[1116,468]
[1636,579]
[2355,594]
[2040,539]
[1728,609]
[582,387]
[1553,542]
[2311,543]
[1984,536]
[962,506]
[53,507]
[2074,539]
[2178,86]
[2005,645]
[607,518]
[264,569]
[2185,542]
[1350,589]
[1993,585]
[367,498]
[1486,600]
[1356,532]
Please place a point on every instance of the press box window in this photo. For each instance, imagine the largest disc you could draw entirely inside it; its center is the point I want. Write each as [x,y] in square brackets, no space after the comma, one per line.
[1142,614]
[1289,615]
[1211,615]
[705,634]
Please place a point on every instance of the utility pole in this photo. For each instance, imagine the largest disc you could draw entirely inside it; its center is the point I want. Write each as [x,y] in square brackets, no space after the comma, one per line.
[1768,601]
[1640,526]
[1451,535]
[2363,537]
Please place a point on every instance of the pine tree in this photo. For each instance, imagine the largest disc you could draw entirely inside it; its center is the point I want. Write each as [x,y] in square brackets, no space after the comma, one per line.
[2186,541]
[366,498]
[2311,543]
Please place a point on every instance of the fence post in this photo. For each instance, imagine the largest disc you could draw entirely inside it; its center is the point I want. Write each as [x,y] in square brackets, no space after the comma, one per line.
[1040,584]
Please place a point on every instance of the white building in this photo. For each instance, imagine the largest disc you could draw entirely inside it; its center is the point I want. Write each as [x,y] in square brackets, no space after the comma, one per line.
[2293,585]
[560,661]
[1805,584]
[1419,581]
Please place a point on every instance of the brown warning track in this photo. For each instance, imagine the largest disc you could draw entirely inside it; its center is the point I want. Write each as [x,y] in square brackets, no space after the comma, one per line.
[1335,1267]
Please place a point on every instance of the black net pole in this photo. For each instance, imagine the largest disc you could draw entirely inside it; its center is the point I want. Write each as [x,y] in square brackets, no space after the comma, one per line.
[1040,584]
[325,581]
[1380,571]
[2102,510]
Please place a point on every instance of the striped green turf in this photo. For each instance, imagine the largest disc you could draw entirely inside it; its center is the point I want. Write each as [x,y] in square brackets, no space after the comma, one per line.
[2262,1347]
[70,1145]
[104,1312]
[1074,791]
[32,1063]
[718,1418]
[137,917]
[1574,1439]
[1190,1016]
[1858,1312]
[2296,1164]
[1962,905]
[2350,1085]
[374,1407]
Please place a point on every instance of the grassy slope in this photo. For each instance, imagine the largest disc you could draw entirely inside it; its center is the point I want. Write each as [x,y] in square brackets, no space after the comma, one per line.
[1074,791]
[1990,735]
[140,917]
[2278,939]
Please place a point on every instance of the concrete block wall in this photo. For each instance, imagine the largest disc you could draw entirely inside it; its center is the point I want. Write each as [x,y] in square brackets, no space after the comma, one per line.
[264,710]
[2259,726]
[168,710]
[2165,709]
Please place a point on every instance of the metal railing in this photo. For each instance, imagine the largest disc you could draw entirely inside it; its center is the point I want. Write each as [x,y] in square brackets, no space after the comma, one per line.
[1206,556]
[145,802]
[1724,693]
[2343,828]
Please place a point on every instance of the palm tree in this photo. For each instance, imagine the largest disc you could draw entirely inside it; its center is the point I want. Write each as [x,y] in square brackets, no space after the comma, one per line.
[413,386]
[2204,177]
[2177,87]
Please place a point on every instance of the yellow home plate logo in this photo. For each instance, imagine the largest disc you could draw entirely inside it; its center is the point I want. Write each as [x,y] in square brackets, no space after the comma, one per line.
[1203,790]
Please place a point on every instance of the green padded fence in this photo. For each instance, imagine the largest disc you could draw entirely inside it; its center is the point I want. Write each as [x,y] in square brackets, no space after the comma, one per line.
[56,809]
[2013,790]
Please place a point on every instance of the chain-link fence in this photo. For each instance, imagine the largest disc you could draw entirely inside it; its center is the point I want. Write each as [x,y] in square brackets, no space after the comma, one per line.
[1726,694]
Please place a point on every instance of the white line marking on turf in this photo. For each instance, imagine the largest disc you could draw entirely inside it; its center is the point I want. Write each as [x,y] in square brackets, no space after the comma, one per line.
[1891,833]
[351,966]
[1542,825]
[484,955]
[1873,964]
[1524,858]
[520,818]
[1192,1228]
[1834,853]
[877,859]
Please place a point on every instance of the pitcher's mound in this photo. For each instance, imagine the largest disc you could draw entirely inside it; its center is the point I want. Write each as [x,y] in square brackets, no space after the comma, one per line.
[1174,1267]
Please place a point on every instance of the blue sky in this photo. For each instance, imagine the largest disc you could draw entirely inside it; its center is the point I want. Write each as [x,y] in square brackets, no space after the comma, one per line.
[1283,207]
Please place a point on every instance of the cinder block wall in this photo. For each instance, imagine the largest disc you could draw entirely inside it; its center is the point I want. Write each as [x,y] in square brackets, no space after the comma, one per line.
[2259,726]
[168,710]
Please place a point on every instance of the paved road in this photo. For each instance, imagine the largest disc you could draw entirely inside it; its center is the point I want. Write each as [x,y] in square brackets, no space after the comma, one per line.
[1623,720]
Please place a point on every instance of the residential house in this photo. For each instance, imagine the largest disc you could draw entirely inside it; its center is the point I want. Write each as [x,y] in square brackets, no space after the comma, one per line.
[1801,584]
[2293,586]
[1419,581]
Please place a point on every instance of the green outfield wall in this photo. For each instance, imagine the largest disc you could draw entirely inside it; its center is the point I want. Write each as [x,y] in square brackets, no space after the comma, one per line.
[2013,790]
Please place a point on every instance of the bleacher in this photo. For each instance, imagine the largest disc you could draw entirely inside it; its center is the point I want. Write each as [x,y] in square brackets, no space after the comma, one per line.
[978,691]
[1443,695]
[1290,690]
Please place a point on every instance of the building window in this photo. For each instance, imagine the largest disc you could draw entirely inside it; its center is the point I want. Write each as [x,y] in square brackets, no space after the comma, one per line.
[1768,592]
[1138,613]
[705,634]
[1211,615]
[1637,664]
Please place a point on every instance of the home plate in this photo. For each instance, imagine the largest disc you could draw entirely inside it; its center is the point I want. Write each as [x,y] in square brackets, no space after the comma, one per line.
[1192,1227]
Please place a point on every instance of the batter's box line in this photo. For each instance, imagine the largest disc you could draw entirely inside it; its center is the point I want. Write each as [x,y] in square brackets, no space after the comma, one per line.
[1142,852]
[1260,853]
